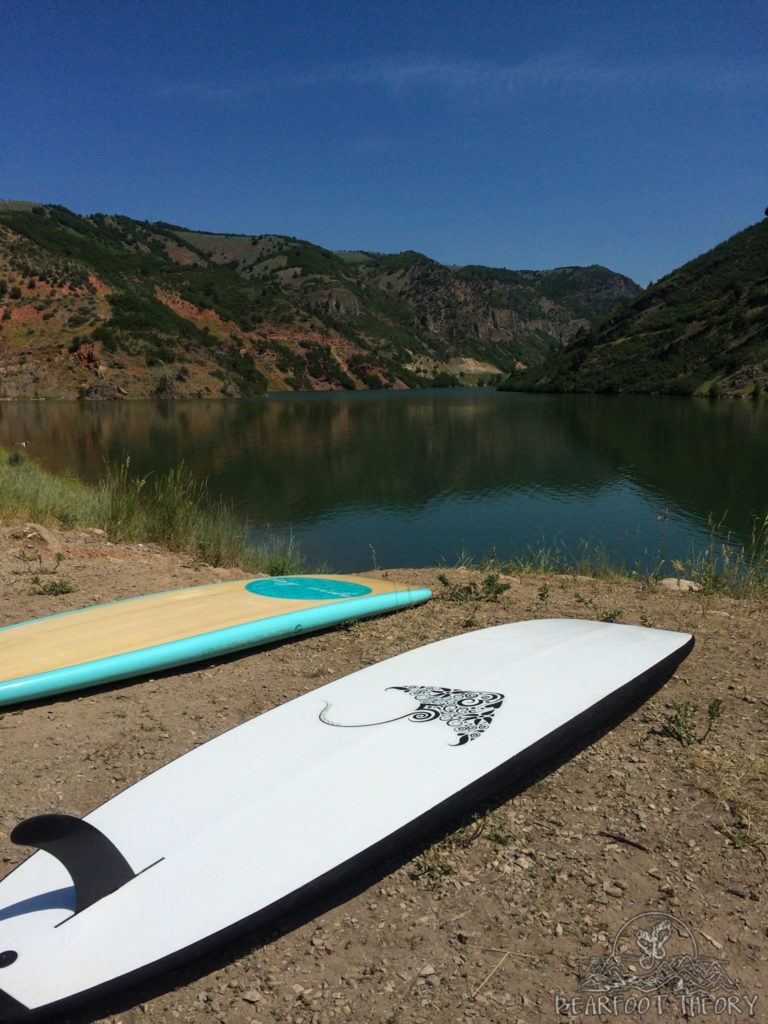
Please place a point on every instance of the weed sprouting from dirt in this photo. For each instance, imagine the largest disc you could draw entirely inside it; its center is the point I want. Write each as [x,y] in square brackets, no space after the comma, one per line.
[611,615]
[489,588]
[51,588]
[681,723]
[471,621]
[433,867]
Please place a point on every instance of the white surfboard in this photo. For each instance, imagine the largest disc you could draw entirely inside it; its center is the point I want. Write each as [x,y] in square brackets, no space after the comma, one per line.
[246,827]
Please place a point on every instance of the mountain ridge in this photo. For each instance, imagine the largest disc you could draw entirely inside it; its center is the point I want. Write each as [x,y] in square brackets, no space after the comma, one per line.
[106,306]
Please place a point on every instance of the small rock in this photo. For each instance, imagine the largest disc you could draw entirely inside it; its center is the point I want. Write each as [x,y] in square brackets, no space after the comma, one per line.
[713,941]
[612,889]
[674,583]
[252,996]
[427,972]
[38,536]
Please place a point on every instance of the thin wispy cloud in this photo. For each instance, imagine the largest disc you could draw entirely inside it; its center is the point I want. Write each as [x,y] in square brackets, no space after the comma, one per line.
[461,76]
[405,74]
[568,70]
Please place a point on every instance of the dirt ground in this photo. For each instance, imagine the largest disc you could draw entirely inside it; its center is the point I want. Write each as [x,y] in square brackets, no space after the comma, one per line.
[488,922]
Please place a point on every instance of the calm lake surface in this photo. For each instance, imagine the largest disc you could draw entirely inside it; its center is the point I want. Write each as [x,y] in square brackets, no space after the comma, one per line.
[420,477]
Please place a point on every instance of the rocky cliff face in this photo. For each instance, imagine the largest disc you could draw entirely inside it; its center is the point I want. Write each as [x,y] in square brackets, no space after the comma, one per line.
[107,307]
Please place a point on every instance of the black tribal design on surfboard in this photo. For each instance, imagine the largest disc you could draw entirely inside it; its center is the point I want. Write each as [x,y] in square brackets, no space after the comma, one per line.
[468,712]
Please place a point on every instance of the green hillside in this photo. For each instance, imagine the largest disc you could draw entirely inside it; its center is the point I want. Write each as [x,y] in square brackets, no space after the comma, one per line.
[105,306]
[703,329]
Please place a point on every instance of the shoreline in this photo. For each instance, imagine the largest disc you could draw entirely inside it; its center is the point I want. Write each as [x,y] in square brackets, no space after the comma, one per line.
[489,386]
[542,873]
[175,509]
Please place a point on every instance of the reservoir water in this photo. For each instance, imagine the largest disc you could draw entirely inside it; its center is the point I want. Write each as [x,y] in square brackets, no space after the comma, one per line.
[416,478]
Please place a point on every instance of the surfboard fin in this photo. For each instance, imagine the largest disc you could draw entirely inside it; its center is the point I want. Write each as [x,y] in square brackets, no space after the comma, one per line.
[94,862]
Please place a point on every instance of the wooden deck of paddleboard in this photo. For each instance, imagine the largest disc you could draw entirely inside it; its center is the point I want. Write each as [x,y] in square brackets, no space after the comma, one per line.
[105,630]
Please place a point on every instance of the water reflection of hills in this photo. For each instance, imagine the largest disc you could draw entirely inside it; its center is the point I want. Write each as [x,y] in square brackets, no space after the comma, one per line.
[297,458]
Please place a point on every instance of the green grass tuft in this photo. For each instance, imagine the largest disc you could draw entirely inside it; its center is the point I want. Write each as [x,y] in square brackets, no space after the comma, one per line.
[730,567]
[725,565]
[173,509]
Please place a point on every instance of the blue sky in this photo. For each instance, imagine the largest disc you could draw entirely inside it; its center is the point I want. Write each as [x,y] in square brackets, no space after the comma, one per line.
[519,134]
